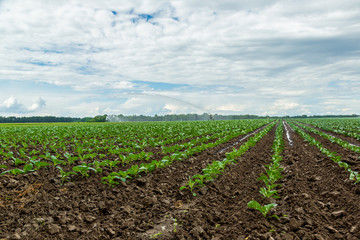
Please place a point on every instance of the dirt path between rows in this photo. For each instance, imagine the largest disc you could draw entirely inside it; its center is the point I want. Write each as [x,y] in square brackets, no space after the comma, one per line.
[348,156]
[343,137]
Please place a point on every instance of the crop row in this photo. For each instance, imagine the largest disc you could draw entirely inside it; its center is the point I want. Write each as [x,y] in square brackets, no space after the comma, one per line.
[271,176]
[217,167]
[85,160]
[332,155]
[348,127]
[135,170]
[103,140]
[331,138]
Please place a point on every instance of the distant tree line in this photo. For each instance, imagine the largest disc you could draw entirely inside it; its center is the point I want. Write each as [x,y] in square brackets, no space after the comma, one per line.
[204,116]
[39,119]
[51,119]
[323,116]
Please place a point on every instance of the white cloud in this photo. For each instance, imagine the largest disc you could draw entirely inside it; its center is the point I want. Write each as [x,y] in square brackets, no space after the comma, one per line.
[13,105]
[228,53]
[41,103]
[231,107]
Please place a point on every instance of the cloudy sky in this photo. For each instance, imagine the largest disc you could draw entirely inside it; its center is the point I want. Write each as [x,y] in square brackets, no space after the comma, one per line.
[84,58]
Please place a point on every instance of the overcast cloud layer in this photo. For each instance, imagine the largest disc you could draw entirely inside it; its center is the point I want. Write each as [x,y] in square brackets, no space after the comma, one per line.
[83,58]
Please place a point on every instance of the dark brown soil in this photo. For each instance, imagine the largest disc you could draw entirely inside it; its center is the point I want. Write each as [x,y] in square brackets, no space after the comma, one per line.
[347,155]
[317,201]
[338,135]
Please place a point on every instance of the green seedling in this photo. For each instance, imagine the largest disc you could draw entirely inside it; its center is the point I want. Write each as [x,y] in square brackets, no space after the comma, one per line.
[268,193]
[263,209]
[110,180]
[113,164]
[344,165]
[28,168]
[39,164]
[133,170]
[156,235]
[175,224]
[201,178]
[190,185]
[354,176]
[97,165]
[64,176]
[18,161]
[83,169]
[70,159]
[55,160]
[14,171]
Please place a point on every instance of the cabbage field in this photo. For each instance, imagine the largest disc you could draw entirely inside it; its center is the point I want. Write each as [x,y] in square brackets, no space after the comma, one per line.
[238,179]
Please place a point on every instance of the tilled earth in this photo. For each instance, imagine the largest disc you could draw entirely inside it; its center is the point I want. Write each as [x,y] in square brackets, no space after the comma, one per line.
[317,201]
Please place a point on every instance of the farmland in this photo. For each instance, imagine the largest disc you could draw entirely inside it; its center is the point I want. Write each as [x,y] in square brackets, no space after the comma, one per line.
[240,179]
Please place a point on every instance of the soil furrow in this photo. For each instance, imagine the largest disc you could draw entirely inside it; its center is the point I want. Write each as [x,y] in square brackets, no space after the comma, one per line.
[343,137]
[347,155]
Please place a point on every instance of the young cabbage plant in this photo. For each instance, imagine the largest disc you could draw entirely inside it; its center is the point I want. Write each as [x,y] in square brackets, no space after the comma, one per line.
[190,185]
[344,165]
[112,177]
[354,176]
[97,165]
[64,176]
[263,209]
[200,179]
[18,161]
[112,164]
[83,169]
[110,180]
[55,160]
[14,171]
[28,168]
[70,159]
[268,192]
[39,164]
[133,170]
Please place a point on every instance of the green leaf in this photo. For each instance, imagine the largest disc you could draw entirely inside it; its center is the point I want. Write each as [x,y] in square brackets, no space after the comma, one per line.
[28,167]
[255,205]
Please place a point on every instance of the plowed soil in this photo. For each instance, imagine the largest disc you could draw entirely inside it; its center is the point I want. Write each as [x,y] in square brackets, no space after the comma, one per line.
[317,201]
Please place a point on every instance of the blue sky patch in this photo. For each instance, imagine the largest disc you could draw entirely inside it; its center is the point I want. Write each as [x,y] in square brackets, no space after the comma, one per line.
[86,70]
[142,17]
[40,63]
[30,86]
[160,85]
